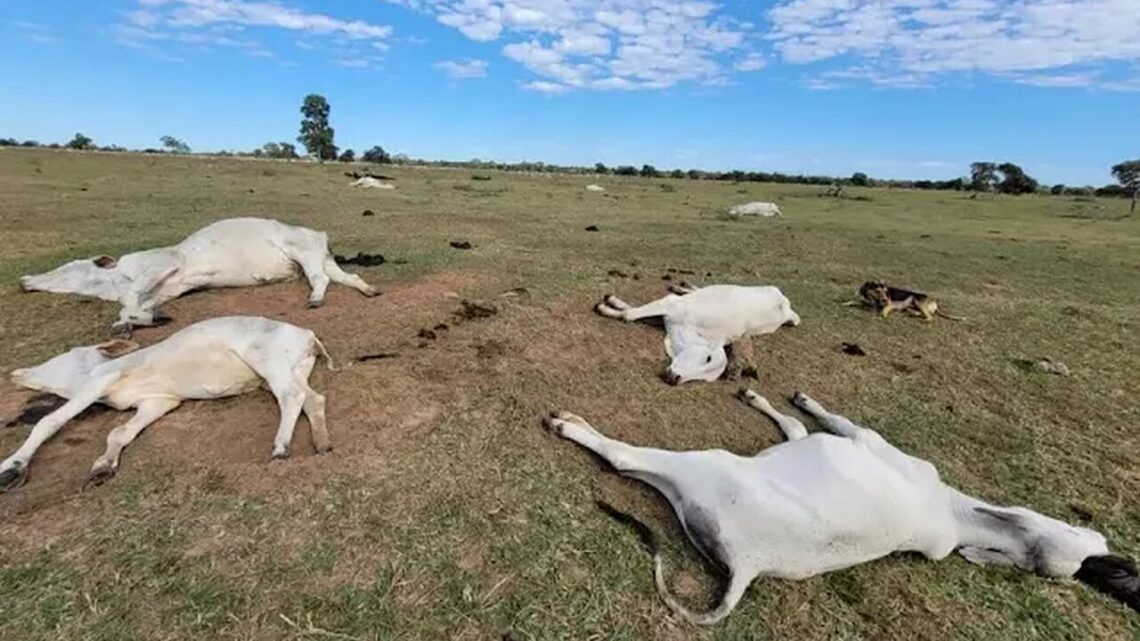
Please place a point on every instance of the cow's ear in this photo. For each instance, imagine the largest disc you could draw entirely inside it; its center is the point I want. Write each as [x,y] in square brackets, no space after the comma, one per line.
[117,348]
[104,262]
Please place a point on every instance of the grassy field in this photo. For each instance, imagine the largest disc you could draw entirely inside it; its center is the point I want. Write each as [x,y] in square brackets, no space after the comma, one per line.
[446,510]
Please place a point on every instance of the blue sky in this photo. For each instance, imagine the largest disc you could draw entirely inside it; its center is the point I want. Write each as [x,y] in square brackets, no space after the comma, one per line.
[894,88]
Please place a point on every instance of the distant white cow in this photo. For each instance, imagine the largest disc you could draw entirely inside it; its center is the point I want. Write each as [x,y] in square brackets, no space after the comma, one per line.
[595,188]
[215,358]
[229,253]
[700,323]
[370,182]
[755,209]
[825,502]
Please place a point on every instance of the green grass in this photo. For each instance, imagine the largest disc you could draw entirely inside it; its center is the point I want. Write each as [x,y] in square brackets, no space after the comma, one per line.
[447,512]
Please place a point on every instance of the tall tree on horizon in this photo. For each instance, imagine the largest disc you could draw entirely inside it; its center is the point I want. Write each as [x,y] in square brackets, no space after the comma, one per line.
[316,134]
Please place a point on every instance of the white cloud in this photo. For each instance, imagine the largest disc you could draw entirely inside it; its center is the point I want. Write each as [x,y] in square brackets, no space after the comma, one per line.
[459,69]
[751,62]
[914,41]
[605,44]
[36,32]
[207,23]
[542,86]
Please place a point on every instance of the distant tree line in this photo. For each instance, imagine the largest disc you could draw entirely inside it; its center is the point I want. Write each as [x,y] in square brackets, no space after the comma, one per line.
[319,140]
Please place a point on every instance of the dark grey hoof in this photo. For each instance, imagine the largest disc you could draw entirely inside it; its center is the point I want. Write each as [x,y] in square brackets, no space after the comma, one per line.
[100,476]
[313,304]
[160,318]
[279,456]
[798,399]
[13,478]
[324,450]
[122,330]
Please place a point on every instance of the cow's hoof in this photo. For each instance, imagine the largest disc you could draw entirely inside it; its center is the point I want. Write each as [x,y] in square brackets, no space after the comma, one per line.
[13,478]
[100,475]
[323,449]
[279,455]
[373,293]
[313,304]
[160,318]
[553,424]
[799,399]
[122,330]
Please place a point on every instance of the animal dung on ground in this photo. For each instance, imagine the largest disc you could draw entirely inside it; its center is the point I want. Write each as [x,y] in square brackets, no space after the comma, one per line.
[617,273]
[592,228]
[473,309]
[853,349]
[460,244]
[361,259]
[376,357]
[367,212]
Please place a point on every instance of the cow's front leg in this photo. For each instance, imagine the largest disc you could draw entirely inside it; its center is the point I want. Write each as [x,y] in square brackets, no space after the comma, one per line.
[318,280]
[741,359]
[148,412]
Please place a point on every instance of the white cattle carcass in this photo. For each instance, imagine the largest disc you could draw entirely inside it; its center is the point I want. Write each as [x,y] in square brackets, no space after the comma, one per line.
[215,358]
[755,209]
[236,252]
[700,323]
[596,188]
[825,502]
[371,182]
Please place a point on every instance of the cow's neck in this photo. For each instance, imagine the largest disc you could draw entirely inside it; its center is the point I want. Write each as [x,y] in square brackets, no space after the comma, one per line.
[976,529]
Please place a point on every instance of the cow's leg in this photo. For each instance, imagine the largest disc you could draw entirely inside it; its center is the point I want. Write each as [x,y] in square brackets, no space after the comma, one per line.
[148,412]
[313,406]
[681,288]
[14,469]
[291,400]
[645,464]
[832,422]
[341,277]
[314,269]
[792,428]
[614,308]
[741,357]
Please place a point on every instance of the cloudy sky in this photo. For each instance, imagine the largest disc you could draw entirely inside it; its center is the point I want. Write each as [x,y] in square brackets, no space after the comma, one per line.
[894,88]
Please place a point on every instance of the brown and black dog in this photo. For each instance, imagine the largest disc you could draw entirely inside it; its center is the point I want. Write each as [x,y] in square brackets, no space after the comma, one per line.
[887,299]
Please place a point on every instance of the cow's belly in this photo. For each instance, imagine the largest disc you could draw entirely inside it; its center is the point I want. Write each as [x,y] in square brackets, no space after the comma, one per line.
[210,374]
[230,264]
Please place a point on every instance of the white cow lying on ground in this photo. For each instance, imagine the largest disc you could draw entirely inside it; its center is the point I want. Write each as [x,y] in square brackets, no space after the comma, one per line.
[755,209]
[229,253]
[212,359]
[825,502]
[700,323]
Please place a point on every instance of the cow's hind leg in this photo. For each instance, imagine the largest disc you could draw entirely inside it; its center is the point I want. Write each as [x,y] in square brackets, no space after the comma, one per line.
[792,428]
[341,277]
[616,308]
[148,412]
[314,269]
[314,407]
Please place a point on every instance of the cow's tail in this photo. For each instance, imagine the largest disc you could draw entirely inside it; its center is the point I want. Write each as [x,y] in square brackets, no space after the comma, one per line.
[731,597]
[325,354]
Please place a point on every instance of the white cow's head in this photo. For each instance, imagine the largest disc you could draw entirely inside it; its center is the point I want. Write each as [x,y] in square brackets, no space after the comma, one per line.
[98,277]
[65,374]
[695,358]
